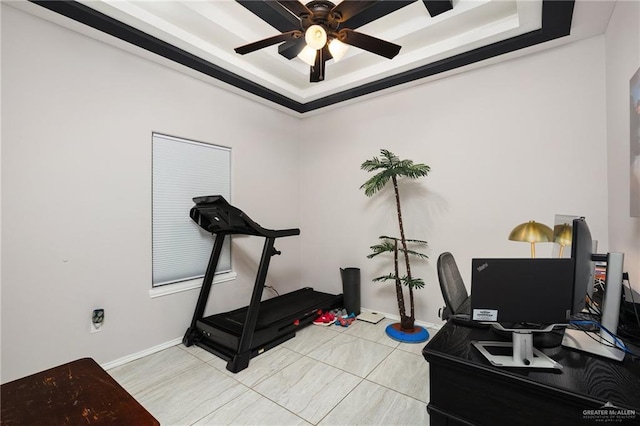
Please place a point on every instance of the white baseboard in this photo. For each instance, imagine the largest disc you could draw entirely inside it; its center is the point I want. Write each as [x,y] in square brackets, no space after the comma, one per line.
[121,361]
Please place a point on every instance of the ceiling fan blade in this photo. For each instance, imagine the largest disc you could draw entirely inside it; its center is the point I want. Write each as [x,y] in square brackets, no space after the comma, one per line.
[290,49]
[257,45]
[273,14]
[369,43]
[348,9]
[295,7]
[436,7]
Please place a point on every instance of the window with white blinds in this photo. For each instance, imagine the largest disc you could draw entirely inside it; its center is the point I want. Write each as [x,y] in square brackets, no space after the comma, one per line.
[182,170]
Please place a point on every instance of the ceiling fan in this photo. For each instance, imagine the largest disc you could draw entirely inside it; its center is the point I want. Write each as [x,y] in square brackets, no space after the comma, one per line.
[321,36]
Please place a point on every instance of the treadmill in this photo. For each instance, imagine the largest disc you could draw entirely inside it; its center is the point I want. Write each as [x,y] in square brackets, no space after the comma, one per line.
[239,335]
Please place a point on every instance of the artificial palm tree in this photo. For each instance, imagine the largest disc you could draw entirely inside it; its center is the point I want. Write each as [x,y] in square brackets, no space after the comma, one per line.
[390,168]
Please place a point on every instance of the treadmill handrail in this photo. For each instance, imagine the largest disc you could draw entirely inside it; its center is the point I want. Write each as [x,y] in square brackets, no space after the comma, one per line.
[214,214]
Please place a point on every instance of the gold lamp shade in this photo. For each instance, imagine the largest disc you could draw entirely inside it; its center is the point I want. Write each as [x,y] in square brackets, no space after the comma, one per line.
[532,232]
[562,235]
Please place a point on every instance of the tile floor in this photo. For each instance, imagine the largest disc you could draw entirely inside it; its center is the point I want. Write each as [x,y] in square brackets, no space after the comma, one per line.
[324,376]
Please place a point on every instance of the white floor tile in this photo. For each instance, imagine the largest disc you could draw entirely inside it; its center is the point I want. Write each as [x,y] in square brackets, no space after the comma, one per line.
[260,367]
[308,388]
[352,354]
[373,332]
[338,328]
[145,372]
[251,409]
[190,396]
[198,352]
[371,404]
[310,338]
[404,372]
[333,375]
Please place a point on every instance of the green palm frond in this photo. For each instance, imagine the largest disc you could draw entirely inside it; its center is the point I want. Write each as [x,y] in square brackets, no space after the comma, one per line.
[384,278]
[389,156]
[376,183]
[419,242]
[415,283]
[390,166]
[414,253]
[384,247]
[406,168]
[373,164]
[400,249]
[409,240]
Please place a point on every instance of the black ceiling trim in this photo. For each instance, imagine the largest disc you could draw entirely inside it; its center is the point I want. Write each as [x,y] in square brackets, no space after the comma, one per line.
[556,22]
[436,7]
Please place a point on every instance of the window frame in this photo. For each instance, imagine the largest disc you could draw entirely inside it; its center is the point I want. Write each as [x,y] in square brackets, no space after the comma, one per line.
[189,282]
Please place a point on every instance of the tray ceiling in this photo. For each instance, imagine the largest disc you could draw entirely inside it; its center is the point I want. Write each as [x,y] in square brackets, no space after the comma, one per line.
[201,36]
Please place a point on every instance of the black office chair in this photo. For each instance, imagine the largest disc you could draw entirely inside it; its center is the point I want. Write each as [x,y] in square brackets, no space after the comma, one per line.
[453,290]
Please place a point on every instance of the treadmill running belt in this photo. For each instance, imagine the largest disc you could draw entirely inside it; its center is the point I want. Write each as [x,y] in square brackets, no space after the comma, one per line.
[285,308]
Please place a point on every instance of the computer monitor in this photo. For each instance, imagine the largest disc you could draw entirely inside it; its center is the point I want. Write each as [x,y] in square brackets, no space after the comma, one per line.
[521,292]
[540,290]
[517,294]
[522,296]
[583,272]
[601,343]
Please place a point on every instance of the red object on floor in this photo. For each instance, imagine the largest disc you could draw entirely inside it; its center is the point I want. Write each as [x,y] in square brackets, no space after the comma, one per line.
[325,318]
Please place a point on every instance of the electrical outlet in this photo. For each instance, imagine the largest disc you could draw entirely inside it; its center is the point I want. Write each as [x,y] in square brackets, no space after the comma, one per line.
[97,320]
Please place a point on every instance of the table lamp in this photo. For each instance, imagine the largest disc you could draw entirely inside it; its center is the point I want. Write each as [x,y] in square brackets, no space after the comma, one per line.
[562,235]
[532,232]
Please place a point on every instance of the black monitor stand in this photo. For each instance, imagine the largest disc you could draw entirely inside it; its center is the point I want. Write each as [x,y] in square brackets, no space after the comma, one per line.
[519,352]
[237,336]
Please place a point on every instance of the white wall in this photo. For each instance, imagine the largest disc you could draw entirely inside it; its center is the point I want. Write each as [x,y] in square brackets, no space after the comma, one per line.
[522,140]
[623,60]
[76,193]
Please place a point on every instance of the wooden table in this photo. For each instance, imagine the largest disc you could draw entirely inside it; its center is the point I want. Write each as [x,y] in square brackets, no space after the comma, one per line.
[77,393]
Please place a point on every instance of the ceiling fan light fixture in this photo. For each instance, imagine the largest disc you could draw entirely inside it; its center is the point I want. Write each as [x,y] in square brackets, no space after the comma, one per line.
[326,34]
[316,37]
[308,55]
[337,49]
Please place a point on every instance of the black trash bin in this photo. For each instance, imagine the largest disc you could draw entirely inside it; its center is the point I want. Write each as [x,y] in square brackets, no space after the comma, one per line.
[351,289]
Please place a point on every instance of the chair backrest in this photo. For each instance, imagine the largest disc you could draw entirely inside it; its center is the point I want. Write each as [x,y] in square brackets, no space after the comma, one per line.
[451,284]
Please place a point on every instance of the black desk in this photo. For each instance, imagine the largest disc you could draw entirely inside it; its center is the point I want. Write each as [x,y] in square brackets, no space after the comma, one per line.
[466,389]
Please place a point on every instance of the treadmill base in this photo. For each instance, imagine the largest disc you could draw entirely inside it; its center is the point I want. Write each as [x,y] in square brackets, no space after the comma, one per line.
[278,321]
